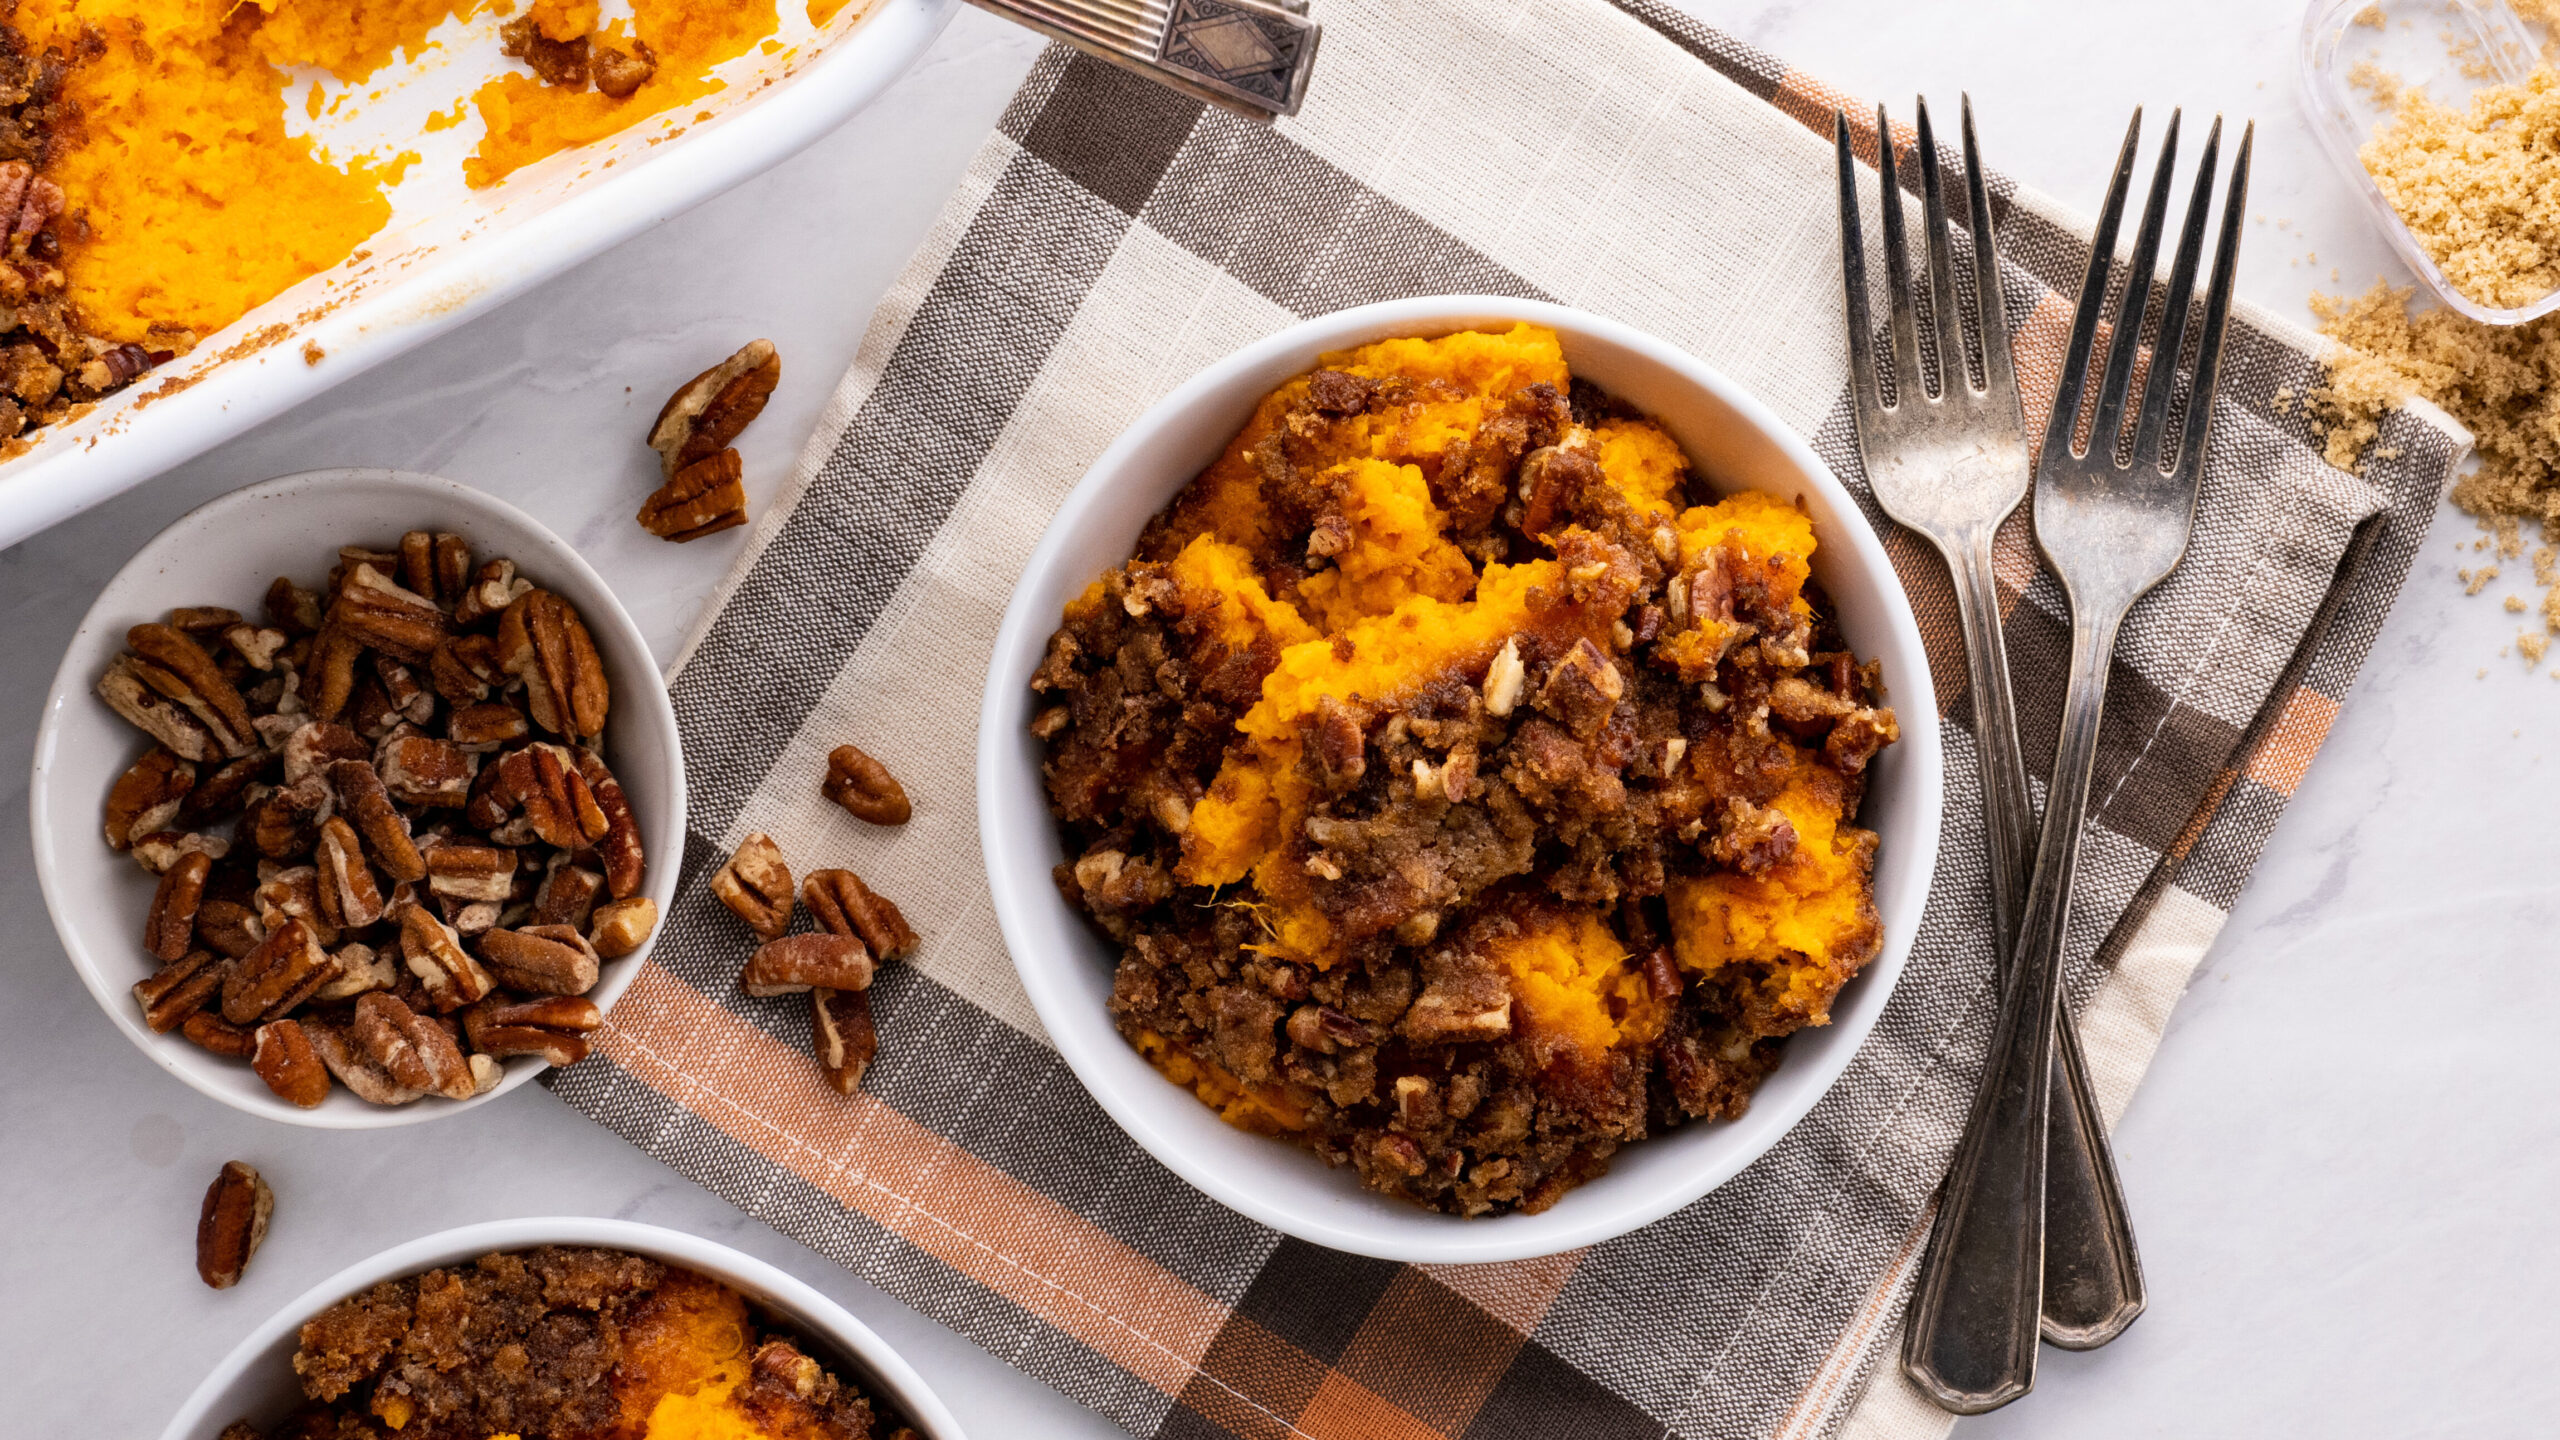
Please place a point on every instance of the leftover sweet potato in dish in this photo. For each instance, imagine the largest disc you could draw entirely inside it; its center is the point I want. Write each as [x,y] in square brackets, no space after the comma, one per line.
[1469,792]
[562,1343]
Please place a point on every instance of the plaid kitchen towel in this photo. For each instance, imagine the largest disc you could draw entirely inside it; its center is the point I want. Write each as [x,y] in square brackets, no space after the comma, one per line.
[1109,240]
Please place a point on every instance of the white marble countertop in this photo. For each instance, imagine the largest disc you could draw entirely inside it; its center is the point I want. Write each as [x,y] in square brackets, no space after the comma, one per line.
[2341,1165]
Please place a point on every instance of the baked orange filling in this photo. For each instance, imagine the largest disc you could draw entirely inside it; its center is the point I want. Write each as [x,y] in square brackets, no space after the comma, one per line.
[1469,794]
[197,204]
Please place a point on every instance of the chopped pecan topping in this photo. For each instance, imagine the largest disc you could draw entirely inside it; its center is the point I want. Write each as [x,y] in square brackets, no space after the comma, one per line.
[619,74]
[559,63]
[756,886]
[701,419]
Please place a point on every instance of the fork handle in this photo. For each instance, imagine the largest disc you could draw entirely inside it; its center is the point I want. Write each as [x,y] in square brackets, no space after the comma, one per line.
[2093,1274]
[1971,1345]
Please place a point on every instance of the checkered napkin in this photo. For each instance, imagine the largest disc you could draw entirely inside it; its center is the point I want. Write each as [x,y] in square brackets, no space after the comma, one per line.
[1107,242]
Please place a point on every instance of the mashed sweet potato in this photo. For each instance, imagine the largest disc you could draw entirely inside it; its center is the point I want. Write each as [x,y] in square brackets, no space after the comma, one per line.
[1469,795]
[194,202]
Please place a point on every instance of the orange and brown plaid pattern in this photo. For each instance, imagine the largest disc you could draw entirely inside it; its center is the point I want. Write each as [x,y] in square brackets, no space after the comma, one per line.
[1627,160]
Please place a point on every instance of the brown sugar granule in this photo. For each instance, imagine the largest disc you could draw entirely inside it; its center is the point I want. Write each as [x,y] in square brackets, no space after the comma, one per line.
[2474,185]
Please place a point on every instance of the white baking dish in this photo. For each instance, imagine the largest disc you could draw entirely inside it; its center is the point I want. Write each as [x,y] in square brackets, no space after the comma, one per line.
[450,252]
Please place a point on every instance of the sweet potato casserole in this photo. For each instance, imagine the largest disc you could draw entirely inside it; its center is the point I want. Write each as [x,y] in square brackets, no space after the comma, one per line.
[561,1343]
[1466,800]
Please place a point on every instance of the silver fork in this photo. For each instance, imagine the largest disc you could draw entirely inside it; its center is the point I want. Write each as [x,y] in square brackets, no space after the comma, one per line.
[1951,467]
[2111,530]
[1252,56]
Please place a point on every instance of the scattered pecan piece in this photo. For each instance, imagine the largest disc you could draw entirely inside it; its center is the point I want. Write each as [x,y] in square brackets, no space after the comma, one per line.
[147,797]
[232,1224]
[542,642]
[705,498]
[756,886]
[282,1056]
[840,1030]
[846,906]
[623,926]
[864,787]
[553,1027]
[797,962]
[701,419]
[546,959]
[170,930]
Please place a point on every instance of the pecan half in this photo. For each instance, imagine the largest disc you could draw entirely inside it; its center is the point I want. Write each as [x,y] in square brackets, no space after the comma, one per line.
[197,619]
[208,1031]
[367,1080]
[268,982]
[486,726]
[286,823]
[291,608]
[233,1224]
[568,895]
[293,894]
[171,927]
[704,498]
[221,794]
[350,898]
[619,851]
[178,989]
[362,798]
[797,962]
[471,872]
[756,886]
[701,419]
[206,693]
[435,564]
[846,906]
[129,690]
[318,744]
[558,806]
[403,691]
[623,926]
[435,955]
[553,1027]
[864,787]
[840,1030]
[229,927]
[282,1056]
[383,615]
[493,589]
[546,959]
[416,1051]
[331,681]
[465,669]
[419,770]
[542,642]
[147,797]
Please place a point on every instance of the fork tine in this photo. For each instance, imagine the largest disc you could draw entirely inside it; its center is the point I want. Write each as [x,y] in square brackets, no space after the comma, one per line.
[2093,296]
[2173,321]
[2113,390]
[1853,268]
[2217,310]
[1998,371]
[1907,379]
[1952,374]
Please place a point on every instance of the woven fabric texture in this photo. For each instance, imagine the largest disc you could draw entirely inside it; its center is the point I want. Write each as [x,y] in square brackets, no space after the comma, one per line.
[1107,242]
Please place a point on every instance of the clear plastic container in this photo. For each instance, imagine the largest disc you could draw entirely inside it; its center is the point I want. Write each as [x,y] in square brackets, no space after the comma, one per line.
[2449,48]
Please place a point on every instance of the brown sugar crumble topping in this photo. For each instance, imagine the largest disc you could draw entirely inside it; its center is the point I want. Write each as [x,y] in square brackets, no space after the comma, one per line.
[1465,801]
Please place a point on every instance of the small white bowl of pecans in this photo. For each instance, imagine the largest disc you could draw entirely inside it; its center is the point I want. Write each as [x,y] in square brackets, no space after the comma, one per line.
[356,799]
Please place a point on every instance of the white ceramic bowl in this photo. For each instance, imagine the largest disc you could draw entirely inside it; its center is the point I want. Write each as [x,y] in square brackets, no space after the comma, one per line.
[255,1381]
[226,552]
[1735,444]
